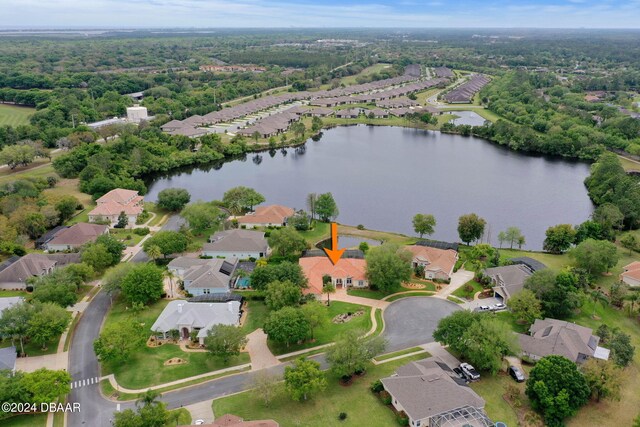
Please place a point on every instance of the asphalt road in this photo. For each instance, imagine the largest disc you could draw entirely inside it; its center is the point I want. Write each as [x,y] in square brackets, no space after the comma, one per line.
[95,410]
[411,321]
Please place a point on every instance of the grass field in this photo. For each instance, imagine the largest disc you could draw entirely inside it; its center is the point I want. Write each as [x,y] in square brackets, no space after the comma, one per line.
[373,69]
[410,294]
[361,406]
[388,356]
[146,366]
[491,388]
[629,165]
[39,420]
[14,116]
[462,293]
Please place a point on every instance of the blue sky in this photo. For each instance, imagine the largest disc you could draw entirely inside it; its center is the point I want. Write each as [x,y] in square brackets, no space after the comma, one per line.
[332,13]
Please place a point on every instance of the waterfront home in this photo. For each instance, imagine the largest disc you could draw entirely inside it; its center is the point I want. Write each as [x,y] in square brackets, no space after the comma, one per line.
[346,273]
[266,216]
[437,263]
[115,202]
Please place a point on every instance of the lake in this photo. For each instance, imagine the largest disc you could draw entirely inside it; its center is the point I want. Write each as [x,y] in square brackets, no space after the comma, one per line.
[382,176]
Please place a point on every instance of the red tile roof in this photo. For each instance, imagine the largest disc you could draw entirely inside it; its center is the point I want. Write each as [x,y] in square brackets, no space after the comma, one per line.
[316,267]
[118,200]
[631,270]
[438,259]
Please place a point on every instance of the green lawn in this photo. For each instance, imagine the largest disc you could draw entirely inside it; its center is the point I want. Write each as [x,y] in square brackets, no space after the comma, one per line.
[183,417]
[491,388]
[128,237]
[39,420]
[14,116]
[372,69]
[322,409]
[319,232]
[328,333]
[402,353]
[462,293]
[145,367]
[257,313]
[9,293]
[410,294]
[375,294]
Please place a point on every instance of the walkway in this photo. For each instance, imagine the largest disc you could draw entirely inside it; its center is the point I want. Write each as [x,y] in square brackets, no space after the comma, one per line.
[458,279]
[261,356]
[341,295]
[201,411]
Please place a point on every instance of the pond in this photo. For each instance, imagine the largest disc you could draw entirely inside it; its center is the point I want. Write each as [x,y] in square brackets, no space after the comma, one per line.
[382,176]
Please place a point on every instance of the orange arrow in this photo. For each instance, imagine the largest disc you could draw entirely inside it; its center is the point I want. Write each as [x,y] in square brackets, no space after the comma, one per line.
[334,253]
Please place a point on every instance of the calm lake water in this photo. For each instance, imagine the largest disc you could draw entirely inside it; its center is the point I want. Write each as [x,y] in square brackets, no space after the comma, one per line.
[382,176]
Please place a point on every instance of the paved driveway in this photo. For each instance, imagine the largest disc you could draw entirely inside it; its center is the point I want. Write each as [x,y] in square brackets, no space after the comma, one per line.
[411,321]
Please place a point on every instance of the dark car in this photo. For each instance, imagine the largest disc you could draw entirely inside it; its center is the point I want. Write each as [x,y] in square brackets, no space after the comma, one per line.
[516,373]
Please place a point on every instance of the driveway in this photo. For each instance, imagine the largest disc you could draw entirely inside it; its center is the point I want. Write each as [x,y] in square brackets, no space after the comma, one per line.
[411,321]
[173,224]
[458,279]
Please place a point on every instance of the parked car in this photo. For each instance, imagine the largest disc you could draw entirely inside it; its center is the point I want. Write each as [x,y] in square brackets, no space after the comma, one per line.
[499,306]
[469,372]
[516,373]
[198,422]
[484,308]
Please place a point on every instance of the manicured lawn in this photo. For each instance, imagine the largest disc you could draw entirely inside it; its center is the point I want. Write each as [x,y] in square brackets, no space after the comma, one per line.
[128,237]
[14,116]
[374,294]
[507,317]
[329,332]
[379,321]
[8,293]
[382,236]
[146,366]
[257,313]
[183,417]
[39,420]
[410,294]
[428,285]
[491,388]
[402,353]
[320,231]
[555,262]
[362,406]
[462,293]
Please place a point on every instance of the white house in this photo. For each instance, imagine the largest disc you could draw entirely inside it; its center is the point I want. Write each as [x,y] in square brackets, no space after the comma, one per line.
[186,317]
[237,243]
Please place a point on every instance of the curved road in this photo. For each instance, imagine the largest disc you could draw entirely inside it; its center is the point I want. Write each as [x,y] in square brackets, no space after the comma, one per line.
[95,410]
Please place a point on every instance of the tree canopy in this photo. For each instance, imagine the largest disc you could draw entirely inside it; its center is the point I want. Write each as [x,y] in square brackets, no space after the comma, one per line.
[173,199]
[470,227]
[388,266]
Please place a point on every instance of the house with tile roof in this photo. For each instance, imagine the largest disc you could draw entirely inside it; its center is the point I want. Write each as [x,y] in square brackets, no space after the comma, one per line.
[266,216]
[431,394]
[551,336]
[204,276]
[116,201]
[15,274]
[74,237]
[187,317]
[438,263]
[346,273]
[237,243]
[631,274]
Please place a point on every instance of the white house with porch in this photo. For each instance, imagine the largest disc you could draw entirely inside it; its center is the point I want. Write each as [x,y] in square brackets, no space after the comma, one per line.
[186,317]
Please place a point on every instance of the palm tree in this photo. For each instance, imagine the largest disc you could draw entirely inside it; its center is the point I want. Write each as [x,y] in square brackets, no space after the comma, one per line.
[598,296]
[154,252]
[328,288]
[311,204]
[170,275]
[633,298]
[148,397]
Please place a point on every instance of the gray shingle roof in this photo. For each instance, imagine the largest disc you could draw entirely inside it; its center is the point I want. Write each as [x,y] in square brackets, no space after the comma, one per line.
[237,240]
[197,315]
[8,358]
[509,279]
[552,336]
[205,273]
[425,389]
[34,264]
[7,302]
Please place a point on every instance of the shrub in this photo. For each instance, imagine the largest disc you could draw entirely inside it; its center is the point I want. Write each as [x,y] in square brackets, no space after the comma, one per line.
[385,397]
[402,418]
[52,181]
[29,288]
[342,416]
[360,227]
[142,231]
[377,386]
